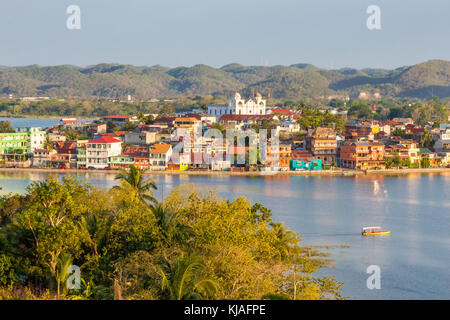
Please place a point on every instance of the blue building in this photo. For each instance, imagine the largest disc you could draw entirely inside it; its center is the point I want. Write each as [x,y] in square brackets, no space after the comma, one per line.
[312,165]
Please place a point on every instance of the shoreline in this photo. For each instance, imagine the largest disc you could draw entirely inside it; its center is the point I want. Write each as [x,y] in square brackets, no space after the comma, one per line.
[339,172]
[46,117]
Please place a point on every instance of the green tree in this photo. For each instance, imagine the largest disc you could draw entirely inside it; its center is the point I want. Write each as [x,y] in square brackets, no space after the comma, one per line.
[170,225]
[6,127]
[72,135]
[184,279]
[129,126]
[48,144]
[134,179]
[360,109]
[426,139]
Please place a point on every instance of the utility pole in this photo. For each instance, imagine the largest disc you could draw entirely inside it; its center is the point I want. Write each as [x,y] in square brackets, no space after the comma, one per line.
[295,286]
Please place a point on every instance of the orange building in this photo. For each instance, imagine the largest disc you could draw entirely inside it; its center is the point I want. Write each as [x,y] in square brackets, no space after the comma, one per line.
[282,154]
[140,154]
[362,155]
[323,144]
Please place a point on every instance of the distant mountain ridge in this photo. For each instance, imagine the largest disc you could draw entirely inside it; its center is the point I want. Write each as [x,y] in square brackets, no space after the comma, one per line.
[297,81]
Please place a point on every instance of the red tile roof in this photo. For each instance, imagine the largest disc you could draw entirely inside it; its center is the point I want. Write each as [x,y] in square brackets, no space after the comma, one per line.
[104,139]
[65,147]
[136,151]
[282,111]
[301,154]
[243,117]
[390,123]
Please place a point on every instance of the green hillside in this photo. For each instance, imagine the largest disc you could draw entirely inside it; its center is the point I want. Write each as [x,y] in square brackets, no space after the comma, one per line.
[297,81]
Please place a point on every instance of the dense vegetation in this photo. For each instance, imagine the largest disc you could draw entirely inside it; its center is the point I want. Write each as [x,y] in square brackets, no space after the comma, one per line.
[421,111]
[96,108]
[195,245]
[297,81]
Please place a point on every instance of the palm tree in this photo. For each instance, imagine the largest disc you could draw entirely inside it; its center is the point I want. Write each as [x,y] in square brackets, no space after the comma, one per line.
[170,224]
[184,279]
[61,272]
[135,179]
[48,144]
[287,239]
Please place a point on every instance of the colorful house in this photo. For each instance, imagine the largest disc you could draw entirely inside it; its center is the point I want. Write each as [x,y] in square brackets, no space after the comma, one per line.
[160,155]
[322,143]
[99,150]
[362,155]
[312,165]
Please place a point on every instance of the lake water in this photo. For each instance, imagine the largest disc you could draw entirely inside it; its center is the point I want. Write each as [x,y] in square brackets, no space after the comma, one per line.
[414,260]
[34,122]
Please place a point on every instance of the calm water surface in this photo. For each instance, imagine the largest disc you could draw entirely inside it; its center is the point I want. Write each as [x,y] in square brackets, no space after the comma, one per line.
[34,122]
[414,259]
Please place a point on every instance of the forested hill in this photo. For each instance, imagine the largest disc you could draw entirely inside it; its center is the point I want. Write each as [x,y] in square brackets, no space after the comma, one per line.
[424,80]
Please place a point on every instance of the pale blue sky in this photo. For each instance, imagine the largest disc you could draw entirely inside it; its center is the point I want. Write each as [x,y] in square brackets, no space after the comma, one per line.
[326,33]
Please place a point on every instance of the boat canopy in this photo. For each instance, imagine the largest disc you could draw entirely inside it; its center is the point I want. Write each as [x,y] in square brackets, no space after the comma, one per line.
[371,228]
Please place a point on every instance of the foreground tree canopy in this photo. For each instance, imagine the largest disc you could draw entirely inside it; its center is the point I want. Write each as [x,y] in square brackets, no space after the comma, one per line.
[195,245]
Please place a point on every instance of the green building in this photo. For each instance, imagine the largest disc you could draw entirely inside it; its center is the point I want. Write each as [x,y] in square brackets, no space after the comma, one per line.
[18,147]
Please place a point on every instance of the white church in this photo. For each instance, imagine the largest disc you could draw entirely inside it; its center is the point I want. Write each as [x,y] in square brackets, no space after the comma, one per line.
[240,106]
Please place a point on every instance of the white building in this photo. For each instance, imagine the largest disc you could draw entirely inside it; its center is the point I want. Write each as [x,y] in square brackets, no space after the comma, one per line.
[99,150]
[443,144]
[240,106]
[160,155]
[35,135]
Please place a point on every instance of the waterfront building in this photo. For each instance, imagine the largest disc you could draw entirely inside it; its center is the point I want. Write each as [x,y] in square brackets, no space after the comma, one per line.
[322,143]
[278,157]
[301,155]
[16,148]
[160,155]
[445,158]
[413,151]
[405,149]
[120,161]
[239,106]
[362,155]
[65,156]
[429,159]
[99,150]
[312,165]
[81,157]
[41,157]
[140,154]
